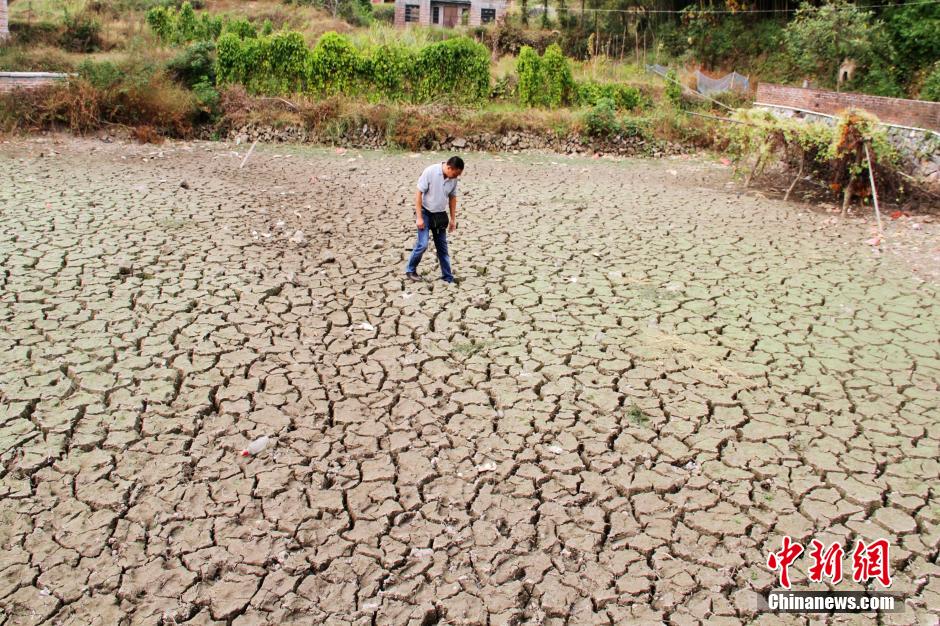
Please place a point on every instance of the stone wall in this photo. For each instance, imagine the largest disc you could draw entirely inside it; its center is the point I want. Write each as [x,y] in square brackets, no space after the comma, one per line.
[916,113]
[368,137]
[10,81]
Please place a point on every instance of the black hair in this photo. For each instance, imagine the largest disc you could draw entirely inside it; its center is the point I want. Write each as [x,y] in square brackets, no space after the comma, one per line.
[455,162]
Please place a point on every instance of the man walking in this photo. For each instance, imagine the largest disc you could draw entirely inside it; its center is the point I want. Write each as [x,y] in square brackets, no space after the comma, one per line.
[437,193]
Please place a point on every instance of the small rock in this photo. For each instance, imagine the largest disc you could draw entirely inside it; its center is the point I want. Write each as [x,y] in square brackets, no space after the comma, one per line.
[298,237]
[184,185]
[459,142]
[327,256]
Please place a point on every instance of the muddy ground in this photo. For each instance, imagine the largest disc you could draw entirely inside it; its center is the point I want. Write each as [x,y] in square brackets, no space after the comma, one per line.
[644,379]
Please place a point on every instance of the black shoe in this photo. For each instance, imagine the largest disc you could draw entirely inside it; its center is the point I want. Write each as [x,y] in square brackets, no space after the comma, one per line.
[414,277]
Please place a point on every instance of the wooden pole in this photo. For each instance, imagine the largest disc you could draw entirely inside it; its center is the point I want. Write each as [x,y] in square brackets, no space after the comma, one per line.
[250,150]
[874,192]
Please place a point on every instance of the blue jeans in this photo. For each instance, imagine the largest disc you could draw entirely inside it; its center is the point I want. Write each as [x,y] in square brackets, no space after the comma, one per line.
[440,244]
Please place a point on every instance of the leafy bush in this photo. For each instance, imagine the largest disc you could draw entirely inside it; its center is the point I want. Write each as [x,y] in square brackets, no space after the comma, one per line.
[529,70]
[545,81]
[335,66]
[184,25]
[931,88]
[195,64]
[673,89]
[237,60]
[103,75]
[456,69]
[285,57]
[601,119]
[241,27]
[558,83]
[82,33]
[391,68]
[624,97]
[207,98]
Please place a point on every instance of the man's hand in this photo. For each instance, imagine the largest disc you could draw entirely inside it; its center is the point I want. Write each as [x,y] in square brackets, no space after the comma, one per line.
[420,222]
[452,227]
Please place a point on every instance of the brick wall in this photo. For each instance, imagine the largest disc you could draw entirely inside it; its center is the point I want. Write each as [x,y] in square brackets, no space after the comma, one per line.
[917,113]
[28,80]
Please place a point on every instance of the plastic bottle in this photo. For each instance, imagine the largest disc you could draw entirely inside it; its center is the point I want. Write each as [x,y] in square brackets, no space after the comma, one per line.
[256,446]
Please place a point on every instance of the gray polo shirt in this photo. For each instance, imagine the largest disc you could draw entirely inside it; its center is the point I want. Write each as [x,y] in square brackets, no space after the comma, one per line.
[436,190]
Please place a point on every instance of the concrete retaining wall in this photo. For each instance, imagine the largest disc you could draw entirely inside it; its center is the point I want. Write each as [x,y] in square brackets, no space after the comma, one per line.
[10,81]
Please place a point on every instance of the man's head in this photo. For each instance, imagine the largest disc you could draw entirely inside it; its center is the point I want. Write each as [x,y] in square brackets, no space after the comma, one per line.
[454,167]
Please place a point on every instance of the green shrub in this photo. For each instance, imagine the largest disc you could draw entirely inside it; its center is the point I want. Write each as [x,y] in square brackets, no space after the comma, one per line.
[558,84]
[529,70]
[601,119]
[184,25]
[624,97]
[195,64]
[162,22]
[673,89]
[82,33]
[931,89]
[241,27]
[285,62]
[545,81]
[207,98]
[391,67]
[335,66]
[102,75]
[237,60]
[457,69]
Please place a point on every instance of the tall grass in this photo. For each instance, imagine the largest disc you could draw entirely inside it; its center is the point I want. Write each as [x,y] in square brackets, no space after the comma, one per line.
[412,37]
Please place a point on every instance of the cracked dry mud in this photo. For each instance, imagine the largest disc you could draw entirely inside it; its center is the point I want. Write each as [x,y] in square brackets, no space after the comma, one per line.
[643,381]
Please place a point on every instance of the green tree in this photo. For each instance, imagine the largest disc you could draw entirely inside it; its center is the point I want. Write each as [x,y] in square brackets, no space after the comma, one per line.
[819,39]
[915,35]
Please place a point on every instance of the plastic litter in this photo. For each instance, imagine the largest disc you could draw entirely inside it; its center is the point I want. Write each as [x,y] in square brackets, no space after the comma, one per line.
[257,446]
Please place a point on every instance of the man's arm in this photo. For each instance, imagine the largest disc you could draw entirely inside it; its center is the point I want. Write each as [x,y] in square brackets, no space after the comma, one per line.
[420,217]
[453,214]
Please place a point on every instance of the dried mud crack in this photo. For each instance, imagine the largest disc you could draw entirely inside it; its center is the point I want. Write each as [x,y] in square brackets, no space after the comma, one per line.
[643,380]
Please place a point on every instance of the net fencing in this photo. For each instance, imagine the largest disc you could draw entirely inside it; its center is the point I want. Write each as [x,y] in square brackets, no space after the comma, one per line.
[729,82]
[709,86]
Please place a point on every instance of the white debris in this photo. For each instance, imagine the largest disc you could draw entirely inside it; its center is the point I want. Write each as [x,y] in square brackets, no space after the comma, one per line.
[489,466]
[366,326]
[279,224]
[298,237]
[691,466]
[422,553]
[555,449]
